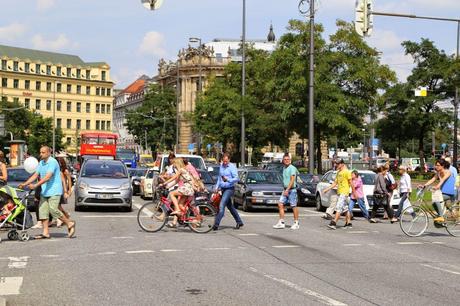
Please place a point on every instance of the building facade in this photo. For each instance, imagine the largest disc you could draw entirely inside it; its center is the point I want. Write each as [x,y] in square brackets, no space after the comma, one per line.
[78,94]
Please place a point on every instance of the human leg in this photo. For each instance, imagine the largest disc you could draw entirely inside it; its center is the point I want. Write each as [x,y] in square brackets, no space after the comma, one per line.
[363,208]
[175,201]
[44,212]
[401,204]
[232,208]
[223,203]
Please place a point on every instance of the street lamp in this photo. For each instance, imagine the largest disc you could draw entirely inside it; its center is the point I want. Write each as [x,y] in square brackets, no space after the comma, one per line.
[198,40]
[243,85]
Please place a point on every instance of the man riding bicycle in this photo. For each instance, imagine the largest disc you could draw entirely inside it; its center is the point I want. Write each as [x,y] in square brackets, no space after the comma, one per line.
[446,184]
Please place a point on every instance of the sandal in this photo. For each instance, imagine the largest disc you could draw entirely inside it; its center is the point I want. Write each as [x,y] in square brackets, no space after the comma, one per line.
[175,213]
[71,230]
[41,236]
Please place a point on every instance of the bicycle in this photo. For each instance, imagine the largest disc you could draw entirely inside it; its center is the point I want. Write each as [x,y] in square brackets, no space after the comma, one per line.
[197,214]
[414,219]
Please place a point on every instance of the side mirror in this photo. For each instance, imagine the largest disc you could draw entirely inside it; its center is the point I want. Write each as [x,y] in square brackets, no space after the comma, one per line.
[210,169]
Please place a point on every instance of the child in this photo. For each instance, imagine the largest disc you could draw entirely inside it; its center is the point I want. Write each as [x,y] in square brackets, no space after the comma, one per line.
[6,209]
[358,195]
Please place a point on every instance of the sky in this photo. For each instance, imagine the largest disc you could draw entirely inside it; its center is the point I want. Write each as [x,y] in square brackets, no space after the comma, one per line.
[132,39]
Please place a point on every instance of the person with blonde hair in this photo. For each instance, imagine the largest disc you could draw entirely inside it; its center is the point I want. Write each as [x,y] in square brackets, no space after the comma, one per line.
[3,172]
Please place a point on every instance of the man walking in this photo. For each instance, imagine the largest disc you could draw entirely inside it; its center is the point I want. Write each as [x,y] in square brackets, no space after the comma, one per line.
[228,176]
[51,190]
[289,195]
[343,183]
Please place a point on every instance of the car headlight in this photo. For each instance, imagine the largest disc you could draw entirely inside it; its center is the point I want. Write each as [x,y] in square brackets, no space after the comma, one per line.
[125,186]
[257,193]
[305,190]
[83,186]
[149,185]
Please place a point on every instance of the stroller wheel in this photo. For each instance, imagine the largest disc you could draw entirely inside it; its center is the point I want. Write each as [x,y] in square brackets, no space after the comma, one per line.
[25,236]
[13,235]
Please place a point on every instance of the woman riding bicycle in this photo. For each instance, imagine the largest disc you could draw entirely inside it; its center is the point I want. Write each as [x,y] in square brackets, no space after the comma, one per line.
[446,185]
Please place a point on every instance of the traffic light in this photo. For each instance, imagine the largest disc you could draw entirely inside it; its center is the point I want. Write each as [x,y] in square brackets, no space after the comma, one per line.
[364,20]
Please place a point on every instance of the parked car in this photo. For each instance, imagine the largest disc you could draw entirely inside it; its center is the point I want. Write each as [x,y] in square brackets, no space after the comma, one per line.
[103,183]
[16,176]
[215,170]
[273,166]
[410,162]
[146,187]
[306,188]
[135,175]
[258,188]
[323,200]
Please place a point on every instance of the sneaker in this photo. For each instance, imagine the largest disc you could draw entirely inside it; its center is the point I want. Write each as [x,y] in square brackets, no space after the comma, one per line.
[279,225]
[439,219]
[295,226]
[332,225]
[372,220]
[348,225]
[326,217]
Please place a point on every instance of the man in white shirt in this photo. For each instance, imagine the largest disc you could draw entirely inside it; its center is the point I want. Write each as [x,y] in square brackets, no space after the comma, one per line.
[405,188]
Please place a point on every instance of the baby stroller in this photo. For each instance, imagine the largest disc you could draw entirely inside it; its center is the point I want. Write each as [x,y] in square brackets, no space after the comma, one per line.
[14,213]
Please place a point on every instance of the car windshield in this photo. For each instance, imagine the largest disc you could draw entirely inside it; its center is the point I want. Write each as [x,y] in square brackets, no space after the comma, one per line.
[368,178]
[195,161]
[104,169]
[263,178]
[17,175]
[206,177]
[308,178]
[137,172]
[126,155]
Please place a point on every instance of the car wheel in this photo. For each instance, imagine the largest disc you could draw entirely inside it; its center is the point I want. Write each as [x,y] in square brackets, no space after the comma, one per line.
[319,205]
[246,205]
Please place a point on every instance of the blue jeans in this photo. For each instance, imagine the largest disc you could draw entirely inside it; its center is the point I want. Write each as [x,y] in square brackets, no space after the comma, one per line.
[401,204]
[361,205]
[226,202]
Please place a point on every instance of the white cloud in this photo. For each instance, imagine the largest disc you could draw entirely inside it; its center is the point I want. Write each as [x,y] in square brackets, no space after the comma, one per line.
[124,76]
[43,5]
[61,42]
[12,31]
[153,44]
[384,40]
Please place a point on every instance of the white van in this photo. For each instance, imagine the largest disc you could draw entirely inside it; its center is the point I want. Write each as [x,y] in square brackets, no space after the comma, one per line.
[411,163]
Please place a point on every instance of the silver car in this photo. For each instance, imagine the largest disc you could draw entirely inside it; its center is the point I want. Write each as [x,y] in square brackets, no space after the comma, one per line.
[103,183]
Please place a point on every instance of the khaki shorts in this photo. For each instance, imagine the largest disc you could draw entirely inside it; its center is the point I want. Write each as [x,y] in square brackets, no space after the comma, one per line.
[49,205]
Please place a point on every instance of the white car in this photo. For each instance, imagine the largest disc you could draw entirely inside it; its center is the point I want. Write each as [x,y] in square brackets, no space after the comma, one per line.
[323,200]
[146,184]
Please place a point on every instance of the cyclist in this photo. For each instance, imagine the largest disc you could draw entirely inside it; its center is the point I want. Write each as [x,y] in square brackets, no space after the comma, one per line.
[446,184]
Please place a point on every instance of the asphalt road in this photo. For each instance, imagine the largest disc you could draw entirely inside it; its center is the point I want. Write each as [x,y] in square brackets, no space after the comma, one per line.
[112,262]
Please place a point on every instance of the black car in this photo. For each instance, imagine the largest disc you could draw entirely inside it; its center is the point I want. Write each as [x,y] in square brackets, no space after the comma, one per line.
[135,174]
[16,176]
[215,170]
[258,188]
[306,188]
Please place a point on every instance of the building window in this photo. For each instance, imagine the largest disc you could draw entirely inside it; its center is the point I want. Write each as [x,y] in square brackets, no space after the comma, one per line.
[103,108]
[78,107]
[69,72]
[27,84]
[38,104]
[59,106]
[48,86]
[102,125]
[58,87]
[109,92]
[58,123]
[79,89]
[88,124]
[27,67]
[98,108]
[88,90]
[88,107]
[37,68]
[69,123]
[27,103]
[16,100]
[4,82]
[15,66]
[69,106]
[78,73]
[48,69]
[88,74]
[98,91]
[3,64]
[38,85]
[98,125]
[108,125]
[103,75]
[102,91]
[16,83]
[68,140]
[69,88]
[59,71]
[48,105]
[78,124]
[108,108]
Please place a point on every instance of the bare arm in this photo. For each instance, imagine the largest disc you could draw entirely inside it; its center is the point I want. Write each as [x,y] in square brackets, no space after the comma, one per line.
[4,175]
[330,187]
[42,181]
[30,180]
[172,178]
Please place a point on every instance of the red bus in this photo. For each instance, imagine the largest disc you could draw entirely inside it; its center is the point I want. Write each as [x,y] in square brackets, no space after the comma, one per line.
[95,144]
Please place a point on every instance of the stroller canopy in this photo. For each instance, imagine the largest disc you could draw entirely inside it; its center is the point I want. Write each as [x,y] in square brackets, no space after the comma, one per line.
[11,193]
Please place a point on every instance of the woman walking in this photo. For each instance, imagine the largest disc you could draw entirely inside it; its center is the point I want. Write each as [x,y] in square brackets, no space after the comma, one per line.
[67,188]
[381,196]
[405,188]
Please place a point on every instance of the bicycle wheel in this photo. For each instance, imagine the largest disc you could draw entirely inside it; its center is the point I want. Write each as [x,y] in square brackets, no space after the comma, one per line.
[152,216]
[413,221]
[452,219]
[201,218]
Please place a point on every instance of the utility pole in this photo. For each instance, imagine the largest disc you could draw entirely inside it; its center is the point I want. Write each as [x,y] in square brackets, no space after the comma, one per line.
[178,91]
[243,86]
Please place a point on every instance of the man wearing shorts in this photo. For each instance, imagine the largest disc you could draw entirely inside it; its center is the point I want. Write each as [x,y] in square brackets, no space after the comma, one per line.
[289,196]
[51,190]
[343,183]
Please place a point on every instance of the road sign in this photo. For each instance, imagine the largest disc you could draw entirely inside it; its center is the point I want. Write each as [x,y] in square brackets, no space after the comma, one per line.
[364,20]
[421,92]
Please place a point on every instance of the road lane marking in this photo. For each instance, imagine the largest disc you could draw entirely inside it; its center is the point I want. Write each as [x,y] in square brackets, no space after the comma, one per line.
[352,244]
[18,262]
[139,252]
[106,253]
[171,250]
[319,297]
[248,234]
[286,246]
[49,256]
[10,285]
[441,269]
[409,243]
[123,237]
[215,249]
[357,232]
[437,242]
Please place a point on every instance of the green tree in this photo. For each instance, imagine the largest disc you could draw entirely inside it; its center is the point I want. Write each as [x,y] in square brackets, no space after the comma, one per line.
[155,118]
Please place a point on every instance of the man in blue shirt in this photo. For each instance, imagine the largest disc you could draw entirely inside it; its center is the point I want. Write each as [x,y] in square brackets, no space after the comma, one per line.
[228,177]
[51,190]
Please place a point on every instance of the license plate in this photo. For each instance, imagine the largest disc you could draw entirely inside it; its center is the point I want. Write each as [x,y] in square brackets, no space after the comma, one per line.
[104,196]
[272,201]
